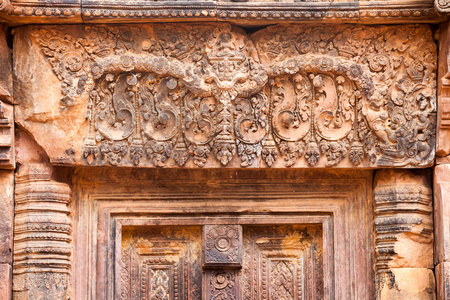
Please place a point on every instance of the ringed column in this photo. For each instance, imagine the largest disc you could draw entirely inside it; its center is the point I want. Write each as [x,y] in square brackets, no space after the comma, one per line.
[42,235]
[404,235]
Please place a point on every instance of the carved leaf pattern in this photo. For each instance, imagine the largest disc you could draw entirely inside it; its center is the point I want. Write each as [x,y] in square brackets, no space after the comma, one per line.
[165,95]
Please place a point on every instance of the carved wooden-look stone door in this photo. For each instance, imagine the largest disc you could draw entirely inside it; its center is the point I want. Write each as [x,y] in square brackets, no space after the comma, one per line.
[222,262]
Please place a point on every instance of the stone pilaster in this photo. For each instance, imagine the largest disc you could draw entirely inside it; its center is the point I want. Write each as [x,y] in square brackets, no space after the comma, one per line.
[404,235]
[42,235]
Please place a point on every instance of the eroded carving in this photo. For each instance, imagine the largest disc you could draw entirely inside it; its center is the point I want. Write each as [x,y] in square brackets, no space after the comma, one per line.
[222,245]
[403,227]
[312,96]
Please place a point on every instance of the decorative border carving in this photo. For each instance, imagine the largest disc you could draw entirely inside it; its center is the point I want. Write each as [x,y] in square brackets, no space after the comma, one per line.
[123,11]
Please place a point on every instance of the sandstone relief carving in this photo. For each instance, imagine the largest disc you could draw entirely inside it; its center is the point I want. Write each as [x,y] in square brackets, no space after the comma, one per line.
[222,245]
[209,95]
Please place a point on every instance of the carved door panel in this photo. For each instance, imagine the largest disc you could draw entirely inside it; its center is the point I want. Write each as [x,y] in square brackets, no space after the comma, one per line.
[161,262]
[222,262]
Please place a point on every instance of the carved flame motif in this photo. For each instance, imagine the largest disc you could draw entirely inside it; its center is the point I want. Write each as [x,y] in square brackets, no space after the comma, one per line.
[290,96]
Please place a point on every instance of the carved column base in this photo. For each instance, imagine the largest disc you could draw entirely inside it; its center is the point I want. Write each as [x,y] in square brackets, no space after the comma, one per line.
[42,235]
[404,235]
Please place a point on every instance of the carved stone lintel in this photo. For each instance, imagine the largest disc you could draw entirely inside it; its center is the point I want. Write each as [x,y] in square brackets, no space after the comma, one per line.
[222,245]
[208,95]
[42,235]
[403,227]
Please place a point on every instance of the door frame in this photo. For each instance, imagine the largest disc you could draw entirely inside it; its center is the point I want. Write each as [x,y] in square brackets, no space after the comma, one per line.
[108,199]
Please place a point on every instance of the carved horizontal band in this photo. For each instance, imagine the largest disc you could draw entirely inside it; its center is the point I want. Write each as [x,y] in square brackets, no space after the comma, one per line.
[350,11]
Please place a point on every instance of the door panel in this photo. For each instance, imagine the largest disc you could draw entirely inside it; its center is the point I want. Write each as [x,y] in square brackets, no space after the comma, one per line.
[278,262]
[282,262]
[161,262]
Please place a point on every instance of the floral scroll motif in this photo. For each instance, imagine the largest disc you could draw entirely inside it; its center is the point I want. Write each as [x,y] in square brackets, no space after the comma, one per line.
[170,95]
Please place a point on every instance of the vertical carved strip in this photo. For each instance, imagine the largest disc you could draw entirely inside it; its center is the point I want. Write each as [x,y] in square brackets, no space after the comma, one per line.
[222,258]
[404,234]
[42,235]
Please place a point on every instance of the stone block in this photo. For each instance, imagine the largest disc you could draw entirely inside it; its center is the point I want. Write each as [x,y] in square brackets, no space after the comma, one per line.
[5,282]
[442,212]
[6,215]
[408,283]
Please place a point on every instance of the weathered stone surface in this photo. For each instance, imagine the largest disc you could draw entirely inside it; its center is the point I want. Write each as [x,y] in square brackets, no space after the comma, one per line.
[409,283]
[6,79]
[442,212]
[6,282]
[442,271]
[443,91]
[27,150]
[209,96]
[42,235]
[404,233]
[6,216]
